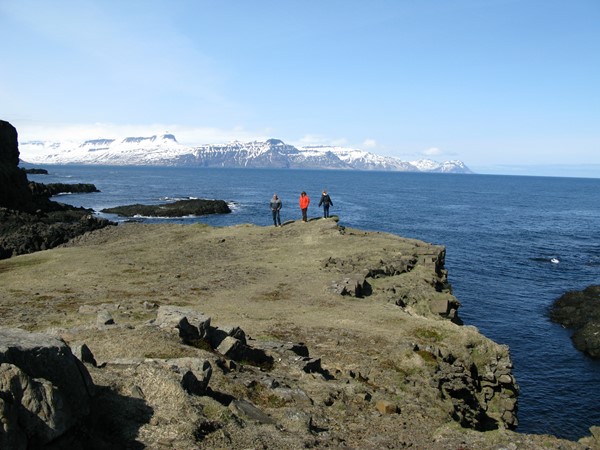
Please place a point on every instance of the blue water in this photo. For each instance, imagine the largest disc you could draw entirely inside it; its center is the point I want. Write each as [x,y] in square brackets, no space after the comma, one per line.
[500,233]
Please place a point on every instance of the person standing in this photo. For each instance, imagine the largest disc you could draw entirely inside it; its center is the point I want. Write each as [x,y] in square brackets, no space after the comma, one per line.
[275,208]
[304,202]
[326,202]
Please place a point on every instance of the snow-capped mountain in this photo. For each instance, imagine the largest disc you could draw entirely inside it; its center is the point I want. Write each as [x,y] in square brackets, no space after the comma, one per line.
[164,150]
[155,150]
[428,165]
[360,159]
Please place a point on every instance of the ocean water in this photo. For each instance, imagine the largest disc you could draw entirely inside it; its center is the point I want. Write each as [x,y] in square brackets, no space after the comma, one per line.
[500,233]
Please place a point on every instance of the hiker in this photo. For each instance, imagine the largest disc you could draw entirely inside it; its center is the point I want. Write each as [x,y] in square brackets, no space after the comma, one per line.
[326,202]
[304,202]
[275,208]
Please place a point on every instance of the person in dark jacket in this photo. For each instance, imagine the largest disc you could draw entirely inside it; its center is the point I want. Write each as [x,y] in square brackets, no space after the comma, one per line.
[326,202]
[275,208]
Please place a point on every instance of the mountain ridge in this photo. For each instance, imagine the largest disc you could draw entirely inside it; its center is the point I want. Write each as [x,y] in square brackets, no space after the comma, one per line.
[165,150]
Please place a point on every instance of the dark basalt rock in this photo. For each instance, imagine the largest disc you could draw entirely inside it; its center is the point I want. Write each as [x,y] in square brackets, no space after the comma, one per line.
[52,189]
[14,193]
[29,221]
[35,171]
[181,208]
[580,311]
[22,232]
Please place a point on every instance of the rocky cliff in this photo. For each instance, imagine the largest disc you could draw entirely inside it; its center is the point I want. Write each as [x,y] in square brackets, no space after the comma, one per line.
[14,193]
[29,220]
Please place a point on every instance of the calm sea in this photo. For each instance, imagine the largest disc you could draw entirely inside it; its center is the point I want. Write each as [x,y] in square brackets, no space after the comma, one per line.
[500,233]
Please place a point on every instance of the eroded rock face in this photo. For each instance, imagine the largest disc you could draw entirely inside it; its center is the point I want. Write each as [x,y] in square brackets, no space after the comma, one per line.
[484,396]
[425,262]
[44,389]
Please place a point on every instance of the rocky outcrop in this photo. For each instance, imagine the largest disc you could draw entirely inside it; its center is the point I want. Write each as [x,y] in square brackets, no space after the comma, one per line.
[194,328]
[181,208]
[22,233]
[14,193]
[44,390]
[29,221]
[483,394]
[426,260]
[580,311]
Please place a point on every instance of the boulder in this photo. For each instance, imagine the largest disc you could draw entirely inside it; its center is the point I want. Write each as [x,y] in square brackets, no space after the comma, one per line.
[235,349]
[218,335]
[196,374]
[191,325]
[50,387]
[246,410]
[84,354]
[386,407]
[353,285]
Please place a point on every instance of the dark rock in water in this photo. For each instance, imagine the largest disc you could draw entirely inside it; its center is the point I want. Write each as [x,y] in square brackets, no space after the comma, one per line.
[51,189]
[580,311]
[34,171]
[29,221]
[181,208]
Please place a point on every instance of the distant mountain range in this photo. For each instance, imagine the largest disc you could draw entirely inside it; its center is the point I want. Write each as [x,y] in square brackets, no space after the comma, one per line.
[164,150]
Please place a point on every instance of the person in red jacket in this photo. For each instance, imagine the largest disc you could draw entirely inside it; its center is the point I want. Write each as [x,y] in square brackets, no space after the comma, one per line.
[304,202]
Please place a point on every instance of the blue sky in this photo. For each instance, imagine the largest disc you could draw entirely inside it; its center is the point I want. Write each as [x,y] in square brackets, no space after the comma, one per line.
[505,86]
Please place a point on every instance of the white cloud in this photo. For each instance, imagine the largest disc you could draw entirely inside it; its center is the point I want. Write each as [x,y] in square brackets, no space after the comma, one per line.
[315,139]
[185,135]
[370,143]
[433,151]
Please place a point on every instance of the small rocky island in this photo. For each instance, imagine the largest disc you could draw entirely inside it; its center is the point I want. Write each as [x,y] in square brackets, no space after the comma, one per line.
[580,311]
[180,208]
